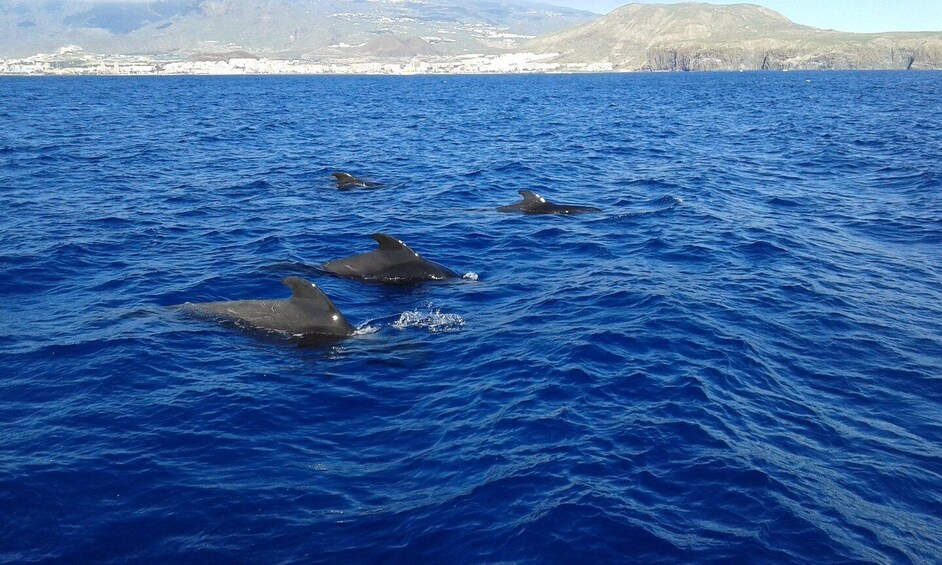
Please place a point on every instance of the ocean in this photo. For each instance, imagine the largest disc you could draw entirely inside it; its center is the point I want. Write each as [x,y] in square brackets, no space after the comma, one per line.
[738,360]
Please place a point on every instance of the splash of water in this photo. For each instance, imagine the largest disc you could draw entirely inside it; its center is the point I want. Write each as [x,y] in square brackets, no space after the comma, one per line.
[431,319]
[366,329]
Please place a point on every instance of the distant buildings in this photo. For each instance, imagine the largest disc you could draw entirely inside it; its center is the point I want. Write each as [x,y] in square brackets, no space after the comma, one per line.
[72,60]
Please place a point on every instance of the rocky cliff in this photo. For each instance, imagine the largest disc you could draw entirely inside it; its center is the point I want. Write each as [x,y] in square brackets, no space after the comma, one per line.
[710,37]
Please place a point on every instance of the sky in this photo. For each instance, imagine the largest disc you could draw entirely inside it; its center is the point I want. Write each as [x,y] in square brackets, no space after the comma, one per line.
[842,15]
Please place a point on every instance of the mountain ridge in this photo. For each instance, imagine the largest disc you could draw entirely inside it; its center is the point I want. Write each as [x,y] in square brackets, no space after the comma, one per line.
[700,37]
[686,36]
[279,28]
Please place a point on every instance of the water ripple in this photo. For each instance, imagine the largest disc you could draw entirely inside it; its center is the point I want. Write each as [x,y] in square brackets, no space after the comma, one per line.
[737,360]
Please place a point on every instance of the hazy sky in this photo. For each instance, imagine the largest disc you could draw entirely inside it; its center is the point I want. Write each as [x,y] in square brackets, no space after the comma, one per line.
[842,15]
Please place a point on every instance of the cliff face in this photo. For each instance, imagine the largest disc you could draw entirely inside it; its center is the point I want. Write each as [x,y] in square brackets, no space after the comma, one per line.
[886,52]
[709,37]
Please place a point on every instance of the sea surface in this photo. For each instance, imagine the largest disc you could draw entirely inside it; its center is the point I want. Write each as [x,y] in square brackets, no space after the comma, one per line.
[739,360]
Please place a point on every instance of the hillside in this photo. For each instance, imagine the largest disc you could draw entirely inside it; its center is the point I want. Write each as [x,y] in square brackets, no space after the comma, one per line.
[702,37]
[278,28]
[636,37]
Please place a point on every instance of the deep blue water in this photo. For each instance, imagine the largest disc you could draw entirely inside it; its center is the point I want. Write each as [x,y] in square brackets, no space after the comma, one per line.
[738,360]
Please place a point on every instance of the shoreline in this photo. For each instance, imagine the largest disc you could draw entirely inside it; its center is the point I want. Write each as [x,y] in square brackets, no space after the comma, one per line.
[73,61]
[468,73]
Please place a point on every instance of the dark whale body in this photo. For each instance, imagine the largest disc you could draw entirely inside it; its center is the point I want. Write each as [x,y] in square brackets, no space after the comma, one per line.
[533,203]
[392,263]
[308,313]
[346,180]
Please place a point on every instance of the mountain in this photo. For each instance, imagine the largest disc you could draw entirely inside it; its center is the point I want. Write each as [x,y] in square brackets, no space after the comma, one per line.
[278,28]
[704,37]
[636,37]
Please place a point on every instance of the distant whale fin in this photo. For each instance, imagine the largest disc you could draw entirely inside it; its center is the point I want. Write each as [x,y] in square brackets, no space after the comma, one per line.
[530,197]
[343,177]
[389,243]
[304,290]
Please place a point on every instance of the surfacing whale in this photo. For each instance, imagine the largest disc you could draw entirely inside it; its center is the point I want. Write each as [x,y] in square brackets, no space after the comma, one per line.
[309,313]
[346,180]
[393,263]
[533,203]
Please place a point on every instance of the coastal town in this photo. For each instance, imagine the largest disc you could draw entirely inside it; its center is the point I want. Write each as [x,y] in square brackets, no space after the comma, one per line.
[73,60]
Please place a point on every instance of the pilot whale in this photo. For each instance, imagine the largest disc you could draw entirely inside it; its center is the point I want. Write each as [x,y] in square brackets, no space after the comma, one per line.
[393,262]
[308,313]
[533,203]
[346,180]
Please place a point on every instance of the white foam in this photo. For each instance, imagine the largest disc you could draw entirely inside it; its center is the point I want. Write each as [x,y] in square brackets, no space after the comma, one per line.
[433,320]
[470,276]
[366,329]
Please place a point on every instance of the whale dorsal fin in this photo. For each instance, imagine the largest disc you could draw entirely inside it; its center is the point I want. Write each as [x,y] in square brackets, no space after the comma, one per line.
[305,290]
[530,197]
[343,177]
[389,243]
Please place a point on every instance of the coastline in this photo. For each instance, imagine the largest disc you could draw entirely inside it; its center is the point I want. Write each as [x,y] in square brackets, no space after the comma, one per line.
[73,61]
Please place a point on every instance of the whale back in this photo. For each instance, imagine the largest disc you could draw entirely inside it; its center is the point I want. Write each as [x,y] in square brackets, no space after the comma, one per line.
[324,314]
[531,198]
[389,243]
[392,262]
[533,203]
[308,312]
[346,180]
[305,294]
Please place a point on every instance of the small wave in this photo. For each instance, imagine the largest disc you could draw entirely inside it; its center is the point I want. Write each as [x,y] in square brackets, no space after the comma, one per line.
[545,234]
[653,207]
[366,329]
[783,202]
[112,221]
[900,179]
[512,167]
[253,185]
[761,248]
[470,276]
[664,204]
[655,244]
[433,320]
[651,184]
[659,202]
